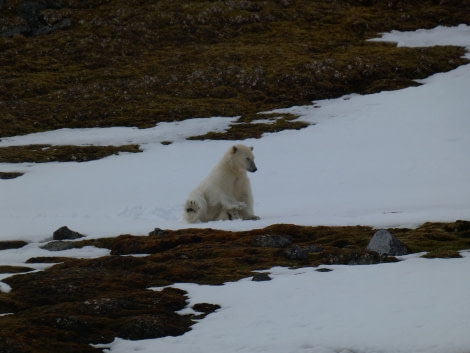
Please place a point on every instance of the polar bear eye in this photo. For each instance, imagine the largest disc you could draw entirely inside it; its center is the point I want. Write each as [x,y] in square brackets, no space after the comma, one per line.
[248,159]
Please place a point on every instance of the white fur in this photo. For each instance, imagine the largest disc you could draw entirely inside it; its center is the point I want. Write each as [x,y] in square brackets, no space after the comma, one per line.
[226,192]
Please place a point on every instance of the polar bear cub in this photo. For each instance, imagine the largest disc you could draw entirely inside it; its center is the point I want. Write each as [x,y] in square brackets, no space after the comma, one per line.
[225,194]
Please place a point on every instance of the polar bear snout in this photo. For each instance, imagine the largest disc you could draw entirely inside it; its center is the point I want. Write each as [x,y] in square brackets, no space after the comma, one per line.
[251,166]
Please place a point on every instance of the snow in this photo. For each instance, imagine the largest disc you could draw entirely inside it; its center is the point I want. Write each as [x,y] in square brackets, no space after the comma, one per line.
[387,159]
[417,305]
[392,159]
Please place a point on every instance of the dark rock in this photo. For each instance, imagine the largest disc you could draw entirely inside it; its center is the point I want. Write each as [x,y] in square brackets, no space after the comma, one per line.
[64,233]
[261,276]
[383,242]
[58,245]
[157,232]
[274,241]
[323,269]
[296,253]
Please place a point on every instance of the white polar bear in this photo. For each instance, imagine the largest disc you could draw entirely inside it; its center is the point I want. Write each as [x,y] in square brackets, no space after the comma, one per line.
[226,192]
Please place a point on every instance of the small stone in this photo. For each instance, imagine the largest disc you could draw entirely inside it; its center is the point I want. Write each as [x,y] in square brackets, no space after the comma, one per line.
[323,269]
[261,276]
[205,308]
[157,232]
[383,242]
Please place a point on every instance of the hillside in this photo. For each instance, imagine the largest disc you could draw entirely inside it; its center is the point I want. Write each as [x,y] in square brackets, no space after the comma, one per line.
[76,63]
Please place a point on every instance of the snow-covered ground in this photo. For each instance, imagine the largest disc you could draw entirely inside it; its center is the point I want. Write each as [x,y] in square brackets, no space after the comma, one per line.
[417,305]
[395,158]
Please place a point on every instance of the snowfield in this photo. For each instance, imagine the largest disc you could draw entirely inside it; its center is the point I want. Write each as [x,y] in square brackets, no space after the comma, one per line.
[417,305]
[392,159]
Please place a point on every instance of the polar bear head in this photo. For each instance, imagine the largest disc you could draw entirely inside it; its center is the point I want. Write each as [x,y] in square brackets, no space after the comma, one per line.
[242,158]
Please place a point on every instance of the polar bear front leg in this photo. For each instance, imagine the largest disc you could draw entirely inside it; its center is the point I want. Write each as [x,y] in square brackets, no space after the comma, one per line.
[228,215]
[229,203]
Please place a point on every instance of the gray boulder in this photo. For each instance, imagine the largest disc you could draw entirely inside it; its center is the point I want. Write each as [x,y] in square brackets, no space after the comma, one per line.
[383,242]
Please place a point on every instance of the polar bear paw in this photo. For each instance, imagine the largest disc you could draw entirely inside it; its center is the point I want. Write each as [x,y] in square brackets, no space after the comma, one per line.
[253,218]
[233,214]
[192,206]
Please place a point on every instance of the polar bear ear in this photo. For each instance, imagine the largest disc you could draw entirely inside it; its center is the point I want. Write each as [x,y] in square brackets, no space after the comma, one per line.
[234,149]
[251,148]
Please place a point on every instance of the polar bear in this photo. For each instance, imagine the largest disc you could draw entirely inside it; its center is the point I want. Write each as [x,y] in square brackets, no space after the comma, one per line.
[225,194]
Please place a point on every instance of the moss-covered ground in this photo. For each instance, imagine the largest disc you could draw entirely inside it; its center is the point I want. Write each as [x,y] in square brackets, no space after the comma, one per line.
[137,63]
[50,153]
[82,301]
